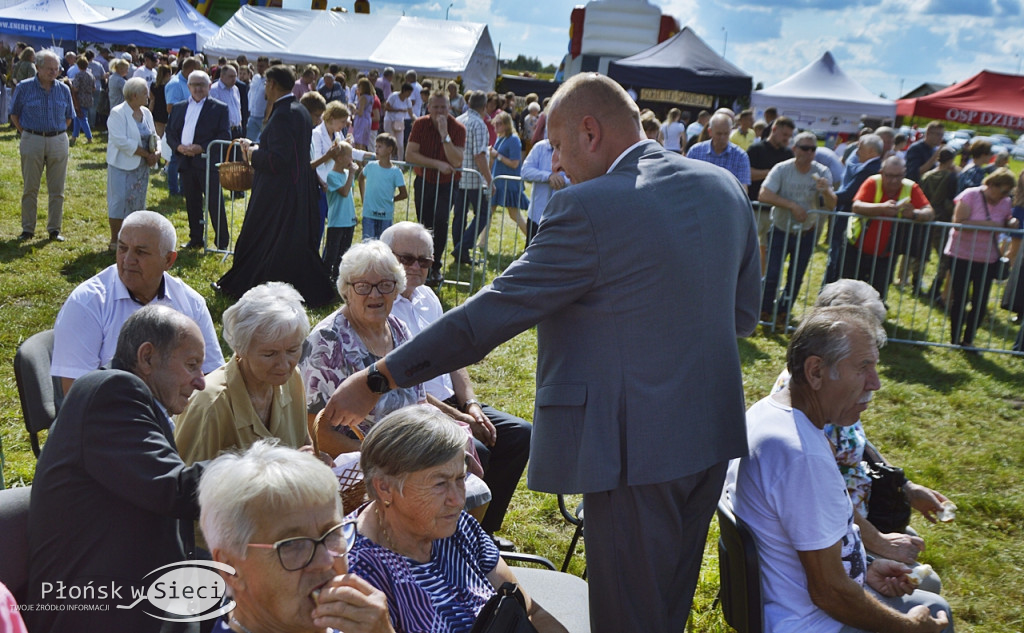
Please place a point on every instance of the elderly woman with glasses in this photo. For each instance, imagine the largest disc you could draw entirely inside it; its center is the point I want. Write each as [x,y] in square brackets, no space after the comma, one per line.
[356,336]
[258,393]
[414,541]
[274,515]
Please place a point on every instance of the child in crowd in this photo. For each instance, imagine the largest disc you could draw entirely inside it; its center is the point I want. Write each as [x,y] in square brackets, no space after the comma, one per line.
[341,213]
[377,186]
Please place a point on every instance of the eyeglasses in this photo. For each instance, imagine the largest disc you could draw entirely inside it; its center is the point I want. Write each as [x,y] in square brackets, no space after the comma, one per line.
[409,260]
[806,148]
[297,553]
[385,287]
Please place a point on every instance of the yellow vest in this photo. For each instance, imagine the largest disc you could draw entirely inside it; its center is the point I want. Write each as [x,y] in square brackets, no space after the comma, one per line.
[855,229]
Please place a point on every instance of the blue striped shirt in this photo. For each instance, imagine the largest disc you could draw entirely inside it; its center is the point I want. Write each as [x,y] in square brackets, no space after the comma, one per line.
[733,159]
[42,110]
[443,595]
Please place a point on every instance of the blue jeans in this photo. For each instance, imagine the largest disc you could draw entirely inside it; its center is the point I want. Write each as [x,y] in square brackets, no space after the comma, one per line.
[173,187]
[463,235]
[81,124]
[373,228]
[798,247]
[254,127]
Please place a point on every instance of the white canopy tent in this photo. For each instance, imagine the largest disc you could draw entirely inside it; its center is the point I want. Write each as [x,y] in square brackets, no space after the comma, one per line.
[823,98]
[435,48]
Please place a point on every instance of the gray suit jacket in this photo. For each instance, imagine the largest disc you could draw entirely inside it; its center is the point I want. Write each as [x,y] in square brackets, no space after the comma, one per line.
[639,282]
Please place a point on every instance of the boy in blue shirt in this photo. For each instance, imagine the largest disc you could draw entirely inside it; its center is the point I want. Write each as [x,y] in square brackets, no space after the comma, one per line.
[377,186]
[341,209]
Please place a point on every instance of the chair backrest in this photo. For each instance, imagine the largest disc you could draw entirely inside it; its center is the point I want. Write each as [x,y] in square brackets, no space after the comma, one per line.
[14,540]
[739,573]
[36,388]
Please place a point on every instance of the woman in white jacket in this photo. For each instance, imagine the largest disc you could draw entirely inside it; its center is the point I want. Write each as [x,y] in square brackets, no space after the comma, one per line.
[131,150]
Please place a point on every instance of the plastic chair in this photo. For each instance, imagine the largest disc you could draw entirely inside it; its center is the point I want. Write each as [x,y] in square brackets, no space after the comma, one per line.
[739,573]
[37,390]
[564,596]
[14,540]
[574,518]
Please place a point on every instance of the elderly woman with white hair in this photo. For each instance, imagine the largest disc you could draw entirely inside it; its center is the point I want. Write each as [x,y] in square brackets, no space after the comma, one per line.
[258,393]
[274,515]
[355,337]
[853,451]
[131,151]
[414,541]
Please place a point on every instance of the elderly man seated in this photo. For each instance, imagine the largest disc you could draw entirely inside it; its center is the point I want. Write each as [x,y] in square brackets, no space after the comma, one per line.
[502,440]
[85,334]
[274,515]
[790,493]
[111,494]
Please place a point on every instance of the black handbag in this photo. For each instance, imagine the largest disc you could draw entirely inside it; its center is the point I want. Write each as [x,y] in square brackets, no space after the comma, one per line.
[505,612]
[888,508]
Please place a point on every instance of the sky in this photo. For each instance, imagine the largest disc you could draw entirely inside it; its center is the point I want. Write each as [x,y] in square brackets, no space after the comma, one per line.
[889,46]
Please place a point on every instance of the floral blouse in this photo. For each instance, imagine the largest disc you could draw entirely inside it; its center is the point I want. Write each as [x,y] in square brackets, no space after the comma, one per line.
[334,351]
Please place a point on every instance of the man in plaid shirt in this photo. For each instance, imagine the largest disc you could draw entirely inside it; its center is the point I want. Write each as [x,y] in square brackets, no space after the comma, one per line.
[474,156]
[719,151]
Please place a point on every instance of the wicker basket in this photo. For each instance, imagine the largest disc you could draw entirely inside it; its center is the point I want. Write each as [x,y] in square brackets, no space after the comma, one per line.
[236,175]
[351,484]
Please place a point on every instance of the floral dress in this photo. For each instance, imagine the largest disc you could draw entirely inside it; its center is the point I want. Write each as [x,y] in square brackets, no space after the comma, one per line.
[333,351]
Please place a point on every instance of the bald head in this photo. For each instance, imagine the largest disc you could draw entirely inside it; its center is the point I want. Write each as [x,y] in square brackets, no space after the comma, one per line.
[591,121]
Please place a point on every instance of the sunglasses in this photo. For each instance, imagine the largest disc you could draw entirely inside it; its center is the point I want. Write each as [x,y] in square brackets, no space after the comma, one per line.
[806,148]
[409,260]
[297,553]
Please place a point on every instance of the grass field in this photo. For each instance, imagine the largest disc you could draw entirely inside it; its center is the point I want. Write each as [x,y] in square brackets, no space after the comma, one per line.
[953,421]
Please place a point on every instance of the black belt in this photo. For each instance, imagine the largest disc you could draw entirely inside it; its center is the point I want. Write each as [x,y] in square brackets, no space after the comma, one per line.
[46,134]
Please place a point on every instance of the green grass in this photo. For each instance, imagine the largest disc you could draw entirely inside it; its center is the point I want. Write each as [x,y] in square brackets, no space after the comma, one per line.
[951,420]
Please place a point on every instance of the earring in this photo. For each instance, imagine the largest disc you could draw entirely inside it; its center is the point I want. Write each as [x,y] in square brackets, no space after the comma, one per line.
[387,504]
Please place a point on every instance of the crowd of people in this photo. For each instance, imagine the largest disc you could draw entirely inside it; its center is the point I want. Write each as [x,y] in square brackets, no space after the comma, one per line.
[174,433]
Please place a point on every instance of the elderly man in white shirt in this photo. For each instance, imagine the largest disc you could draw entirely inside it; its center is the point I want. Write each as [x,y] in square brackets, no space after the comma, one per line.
[85,334]
[224,89]
[537,169]
[257,100]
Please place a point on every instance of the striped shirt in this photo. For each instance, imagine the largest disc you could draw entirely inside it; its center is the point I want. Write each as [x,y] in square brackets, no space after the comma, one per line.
[443,595]
[476,143]
[733,159]
[42,110]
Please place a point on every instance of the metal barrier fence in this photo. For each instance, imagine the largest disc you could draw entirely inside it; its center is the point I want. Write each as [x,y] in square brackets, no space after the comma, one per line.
[930,297]
[450,212]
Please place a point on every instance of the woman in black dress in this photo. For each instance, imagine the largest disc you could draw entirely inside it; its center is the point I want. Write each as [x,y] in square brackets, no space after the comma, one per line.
[278,240]
[157,100]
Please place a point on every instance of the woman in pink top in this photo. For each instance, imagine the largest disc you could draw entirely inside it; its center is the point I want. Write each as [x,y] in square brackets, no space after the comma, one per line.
[974,253]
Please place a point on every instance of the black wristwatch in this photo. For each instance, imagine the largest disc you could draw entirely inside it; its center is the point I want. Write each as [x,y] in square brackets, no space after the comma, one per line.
[376,381]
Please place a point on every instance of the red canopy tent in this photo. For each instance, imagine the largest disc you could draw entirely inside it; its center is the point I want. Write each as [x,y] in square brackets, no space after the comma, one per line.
[987,98]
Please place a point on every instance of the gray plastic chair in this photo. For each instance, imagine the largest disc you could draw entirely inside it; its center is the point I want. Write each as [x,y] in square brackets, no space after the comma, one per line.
[564,596]
[38,391]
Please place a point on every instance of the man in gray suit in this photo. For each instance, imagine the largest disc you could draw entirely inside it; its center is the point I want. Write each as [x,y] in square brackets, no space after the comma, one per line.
[639,280]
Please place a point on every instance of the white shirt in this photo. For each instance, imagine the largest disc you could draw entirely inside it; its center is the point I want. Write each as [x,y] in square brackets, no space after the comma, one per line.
[403,105]
[417,100]
[258,96]
[188,131]
[790,493]
[85,334]
[319,143]
[537,169]
[232,98]
[417,313]
[149,74]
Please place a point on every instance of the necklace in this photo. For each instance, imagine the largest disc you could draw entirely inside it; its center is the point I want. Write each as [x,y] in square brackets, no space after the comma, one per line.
[235,621]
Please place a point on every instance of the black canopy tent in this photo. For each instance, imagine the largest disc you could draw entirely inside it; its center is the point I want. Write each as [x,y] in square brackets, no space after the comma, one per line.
[685,63]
